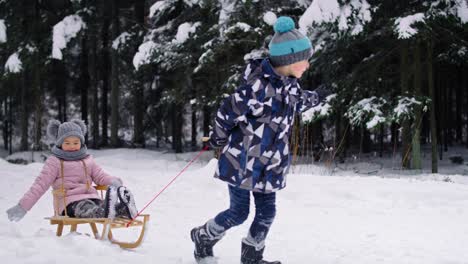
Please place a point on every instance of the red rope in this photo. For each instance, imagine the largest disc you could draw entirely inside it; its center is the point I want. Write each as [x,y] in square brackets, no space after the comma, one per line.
[165,187]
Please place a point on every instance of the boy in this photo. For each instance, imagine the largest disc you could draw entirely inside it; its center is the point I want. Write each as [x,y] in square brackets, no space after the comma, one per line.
[252,127]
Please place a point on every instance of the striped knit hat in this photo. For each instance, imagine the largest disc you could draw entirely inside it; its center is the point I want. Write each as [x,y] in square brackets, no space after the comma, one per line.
[288,45]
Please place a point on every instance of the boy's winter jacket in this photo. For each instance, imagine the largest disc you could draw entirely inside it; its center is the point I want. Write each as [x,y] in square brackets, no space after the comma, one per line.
[257,121]
[77,182]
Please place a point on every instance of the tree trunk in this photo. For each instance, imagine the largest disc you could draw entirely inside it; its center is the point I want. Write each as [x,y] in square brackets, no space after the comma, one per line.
[446,114]
[381,140]
[465,87]
[406,136]
[459,102]
[115,91]
[59,83]
[38,98]
[10,127]
[84,81]
[139,89]
[206,120]
[138,112]
[430,80]
[194,128]
[177,125]
[5,122]
[92,71]
[416,137]
[105,71]
[24,113]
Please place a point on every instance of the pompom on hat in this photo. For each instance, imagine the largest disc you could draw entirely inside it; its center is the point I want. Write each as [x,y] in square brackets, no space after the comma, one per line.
[288,45]
[58,132]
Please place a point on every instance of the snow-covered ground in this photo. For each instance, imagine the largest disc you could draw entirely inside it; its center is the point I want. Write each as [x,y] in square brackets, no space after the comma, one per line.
[323,217]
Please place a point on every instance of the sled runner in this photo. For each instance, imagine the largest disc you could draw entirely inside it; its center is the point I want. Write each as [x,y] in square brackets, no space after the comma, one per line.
[107,224]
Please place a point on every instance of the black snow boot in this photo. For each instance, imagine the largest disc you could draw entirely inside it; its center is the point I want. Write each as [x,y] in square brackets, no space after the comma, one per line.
[110,202]
[250,255]
[127,207]
[203,243]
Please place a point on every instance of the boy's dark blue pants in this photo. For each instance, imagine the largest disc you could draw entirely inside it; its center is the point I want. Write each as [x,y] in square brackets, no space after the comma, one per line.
[265,210]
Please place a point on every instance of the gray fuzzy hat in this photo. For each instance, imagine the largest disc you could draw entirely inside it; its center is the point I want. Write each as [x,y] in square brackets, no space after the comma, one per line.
[288,45]
[58,132]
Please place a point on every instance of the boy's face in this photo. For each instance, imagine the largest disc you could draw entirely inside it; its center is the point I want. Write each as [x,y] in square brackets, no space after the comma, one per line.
[298,68]
[71,144]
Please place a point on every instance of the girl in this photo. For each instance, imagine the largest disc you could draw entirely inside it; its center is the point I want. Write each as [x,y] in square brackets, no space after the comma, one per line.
[72,170]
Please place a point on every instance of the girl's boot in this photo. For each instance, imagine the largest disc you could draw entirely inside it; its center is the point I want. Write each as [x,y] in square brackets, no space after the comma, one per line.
[250,255]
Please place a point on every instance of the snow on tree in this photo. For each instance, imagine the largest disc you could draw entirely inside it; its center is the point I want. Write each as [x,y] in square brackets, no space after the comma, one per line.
[368,111]
[350,17]
[184,30]
[157,6]
[406,108]
[144,54]
[63,32]
[320,111]
[13,64]
[403,25]
[3,35]
[457,8]
[120,40]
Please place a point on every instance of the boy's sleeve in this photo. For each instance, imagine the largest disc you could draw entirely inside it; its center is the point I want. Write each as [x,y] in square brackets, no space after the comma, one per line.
[100,177]
[42,183]
[232,111]
[308,99]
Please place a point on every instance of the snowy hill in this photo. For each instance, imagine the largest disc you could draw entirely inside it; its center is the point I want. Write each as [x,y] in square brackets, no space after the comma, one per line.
[344,218]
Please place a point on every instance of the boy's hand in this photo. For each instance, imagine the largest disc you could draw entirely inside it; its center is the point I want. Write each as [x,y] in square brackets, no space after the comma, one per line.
[213,144]
[16,213]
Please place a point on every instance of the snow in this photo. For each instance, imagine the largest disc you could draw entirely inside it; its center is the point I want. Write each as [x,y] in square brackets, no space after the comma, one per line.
[458,8]
[367,110]
[63,32]
[462,10]
[320,111]
[143,56]
[270,18]
[3,35]
[403,25]
[328,11]
[227,7]
[157,6]
[184,30]
[239,25]
[120,40]
[405,108]
[342,218]
[13,64]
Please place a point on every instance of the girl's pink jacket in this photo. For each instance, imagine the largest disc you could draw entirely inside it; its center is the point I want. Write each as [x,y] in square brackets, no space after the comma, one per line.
[77,182]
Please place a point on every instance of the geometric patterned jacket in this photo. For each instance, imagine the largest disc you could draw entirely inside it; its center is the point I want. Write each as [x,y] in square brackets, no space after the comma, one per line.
[256,122]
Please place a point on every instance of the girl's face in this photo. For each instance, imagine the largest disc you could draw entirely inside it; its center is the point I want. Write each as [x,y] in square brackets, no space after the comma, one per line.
[298,68]
[71,144]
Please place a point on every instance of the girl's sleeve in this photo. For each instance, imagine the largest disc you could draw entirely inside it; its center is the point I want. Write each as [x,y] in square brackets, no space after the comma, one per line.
[233,110]
[101,177]
[308,99]
[42,183]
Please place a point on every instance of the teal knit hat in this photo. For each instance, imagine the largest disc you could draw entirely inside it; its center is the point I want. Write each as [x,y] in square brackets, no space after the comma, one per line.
[288,45]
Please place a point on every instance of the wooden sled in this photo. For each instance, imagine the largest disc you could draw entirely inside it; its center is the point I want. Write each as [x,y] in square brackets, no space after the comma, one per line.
[107,224]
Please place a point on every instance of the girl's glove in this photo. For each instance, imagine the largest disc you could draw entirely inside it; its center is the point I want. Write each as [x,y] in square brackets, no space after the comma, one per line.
[16,213]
